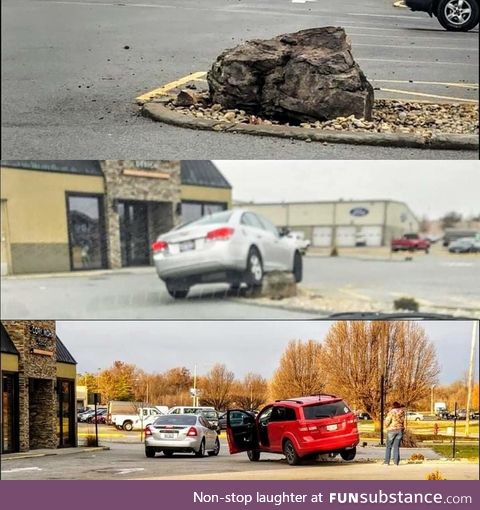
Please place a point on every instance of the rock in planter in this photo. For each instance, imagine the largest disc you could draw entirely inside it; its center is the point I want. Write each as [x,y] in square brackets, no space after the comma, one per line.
[276,285]
[305,76]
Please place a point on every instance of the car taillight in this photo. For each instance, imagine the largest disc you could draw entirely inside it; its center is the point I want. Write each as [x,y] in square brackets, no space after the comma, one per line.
[159,246]
[147,431]
[220,234]
[353,419]
[192,431]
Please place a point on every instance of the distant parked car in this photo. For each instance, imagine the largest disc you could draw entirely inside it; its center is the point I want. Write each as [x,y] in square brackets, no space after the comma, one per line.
[475,415]
[363,416]
[298,238]
[181,433]
[236,246]
[412,416]
[410,242]
[454,15]
[464,245]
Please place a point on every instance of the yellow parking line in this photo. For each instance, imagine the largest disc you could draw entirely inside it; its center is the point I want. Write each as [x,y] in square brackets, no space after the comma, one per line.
[460,85]
[169,86]
[429,95]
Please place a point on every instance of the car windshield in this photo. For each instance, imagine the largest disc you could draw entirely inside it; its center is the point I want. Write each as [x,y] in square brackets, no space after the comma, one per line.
[327,410]
[220,217]
[210,415]
[176,419]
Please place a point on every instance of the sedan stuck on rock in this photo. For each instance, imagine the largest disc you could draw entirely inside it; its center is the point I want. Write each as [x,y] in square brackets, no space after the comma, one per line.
[234,246]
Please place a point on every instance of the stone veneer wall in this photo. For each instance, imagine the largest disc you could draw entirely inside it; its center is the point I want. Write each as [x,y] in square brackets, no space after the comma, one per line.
[44,399]
[119,186]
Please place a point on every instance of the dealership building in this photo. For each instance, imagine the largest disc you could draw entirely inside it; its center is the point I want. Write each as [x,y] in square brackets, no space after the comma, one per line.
[342,223]
[76,215]
[38,388]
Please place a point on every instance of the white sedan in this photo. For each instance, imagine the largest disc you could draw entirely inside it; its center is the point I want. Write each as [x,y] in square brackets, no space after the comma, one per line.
[235,246]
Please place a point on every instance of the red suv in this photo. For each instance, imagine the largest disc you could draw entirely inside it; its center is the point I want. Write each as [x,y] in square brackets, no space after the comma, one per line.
[299,428]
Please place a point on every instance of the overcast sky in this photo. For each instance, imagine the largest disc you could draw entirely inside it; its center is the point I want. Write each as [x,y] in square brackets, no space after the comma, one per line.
[244,346]
[430,188]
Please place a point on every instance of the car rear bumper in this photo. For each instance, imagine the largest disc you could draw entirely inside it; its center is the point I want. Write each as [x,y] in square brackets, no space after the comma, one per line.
[420,5]
[185,445]
[309,446]
[219,257]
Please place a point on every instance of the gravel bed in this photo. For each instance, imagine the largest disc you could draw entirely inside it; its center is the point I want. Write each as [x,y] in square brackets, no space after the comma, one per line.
[389,116]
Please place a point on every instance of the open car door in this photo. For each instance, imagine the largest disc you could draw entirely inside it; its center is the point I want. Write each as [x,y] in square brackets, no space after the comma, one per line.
[241,431]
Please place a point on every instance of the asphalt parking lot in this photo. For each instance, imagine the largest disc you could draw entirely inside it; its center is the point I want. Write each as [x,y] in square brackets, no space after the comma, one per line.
[351,283]
[72,68]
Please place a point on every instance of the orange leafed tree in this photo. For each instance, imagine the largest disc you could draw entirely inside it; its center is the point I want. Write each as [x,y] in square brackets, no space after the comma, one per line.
[251,392]
[216,387]
[299,373]
[357,353]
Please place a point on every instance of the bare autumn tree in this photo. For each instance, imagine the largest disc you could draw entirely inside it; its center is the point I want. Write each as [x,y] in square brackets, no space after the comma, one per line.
[357,353]
[299,372]
[251,392]
[215,387]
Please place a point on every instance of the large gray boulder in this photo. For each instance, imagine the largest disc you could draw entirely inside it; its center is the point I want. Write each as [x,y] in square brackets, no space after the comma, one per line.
[305,76]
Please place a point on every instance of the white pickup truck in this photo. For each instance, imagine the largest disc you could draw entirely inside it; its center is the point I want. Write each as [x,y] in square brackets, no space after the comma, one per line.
[130,421]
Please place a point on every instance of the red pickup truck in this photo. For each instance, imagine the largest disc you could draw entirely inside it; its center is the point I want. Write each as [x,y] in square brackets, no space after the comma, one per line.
[410,242]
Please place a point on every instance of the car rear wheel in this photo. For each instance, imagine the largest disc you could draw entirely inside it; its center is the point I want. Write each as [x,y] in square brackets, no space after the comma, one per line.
[297,267]
[128,426]
[149,452]
[458,15]
[254,273]
[253,455]
[168,453]
[216,451]
[290,453]
[348,454]
[201,450]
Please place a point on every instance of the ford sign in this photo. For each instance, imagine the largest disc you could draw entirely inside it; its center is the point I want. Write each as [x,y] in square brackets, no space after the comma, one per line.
[359,211]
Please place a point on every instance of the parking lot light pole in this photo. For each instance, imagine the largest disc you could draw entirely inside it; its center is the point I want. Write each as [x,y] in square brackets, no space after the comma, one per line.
[432,400]
[382,407]
[470,377]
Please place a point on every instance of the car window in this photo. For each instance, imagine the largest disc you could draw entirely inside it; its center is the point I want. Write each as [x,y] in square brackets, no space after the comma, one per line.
[175,411]
[203,422]
[251,220]
[221,217]
[171,419]
[281,413]
[210,415]
[328,410]
[269,226]
[264,416]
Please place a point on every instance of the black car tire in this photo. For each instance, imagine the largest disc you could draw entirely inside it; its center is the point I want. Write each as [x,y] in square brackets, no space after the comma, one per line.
[127,425]
[253,455]
[254,272]
[348,454]
[290,453]
[177,292]
[201,451]
[149,452]
[168,453]
[214,453]
[470,23]
[297,267]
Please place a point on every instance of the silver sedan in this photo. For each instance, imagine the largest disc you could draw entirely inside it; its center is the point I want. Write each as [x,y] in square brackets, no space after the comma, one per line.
[235,246]
[181,433]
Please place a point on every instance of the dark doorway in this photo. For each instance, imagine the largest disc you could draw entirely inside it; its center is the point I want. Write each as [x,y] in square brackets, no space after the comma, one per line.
[86,231]
[9,422]
[134,239]
[65,413]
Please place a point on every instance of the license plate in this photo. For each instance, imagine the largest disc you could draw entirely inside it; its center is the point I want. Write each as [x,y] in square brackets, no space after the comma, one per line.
[332,427]
[187,246]
[169,435]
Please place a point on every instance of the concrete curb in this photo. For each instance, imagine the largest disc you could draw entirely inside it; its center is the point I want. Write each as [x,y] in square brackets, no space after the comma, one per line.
[33,455]
[159,113]
[82,274]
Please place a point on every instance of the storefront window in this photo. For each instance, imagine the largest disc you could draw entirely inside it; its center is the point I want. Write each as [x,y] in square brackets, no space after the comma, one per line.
[9,419]
[86,231]
[65,414]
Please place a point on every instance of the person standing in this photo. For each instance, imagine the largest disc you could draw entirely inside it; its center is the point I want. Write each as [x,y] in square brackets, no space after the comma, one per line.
[395,425]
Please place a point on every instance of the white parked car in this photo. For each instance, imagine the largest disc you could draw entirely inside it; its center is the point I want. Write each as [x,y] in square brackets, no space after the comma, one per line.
[412,416]
[298,238]
[235,246]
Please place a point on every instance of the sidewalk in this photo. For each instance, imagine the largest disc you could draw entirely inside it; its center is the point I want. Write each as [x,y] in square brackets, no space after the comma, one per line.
[45,452]
[82,274]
